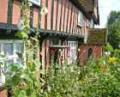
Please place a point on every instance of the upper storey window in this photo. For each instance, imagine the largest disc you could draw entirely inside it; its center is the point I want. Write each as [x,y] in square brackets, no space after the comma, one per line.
[80,19]
[91,24]
[36,2]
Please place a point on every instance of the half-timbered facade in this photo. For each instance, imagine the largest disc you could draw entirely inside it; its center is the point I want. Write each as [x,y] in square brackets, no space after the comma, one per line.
[65,20]
[65,24]
[63,28]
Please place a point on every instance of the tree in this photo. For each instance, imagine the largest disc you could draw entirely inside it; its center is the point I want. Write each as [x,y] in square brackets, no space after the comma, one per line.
[113,26]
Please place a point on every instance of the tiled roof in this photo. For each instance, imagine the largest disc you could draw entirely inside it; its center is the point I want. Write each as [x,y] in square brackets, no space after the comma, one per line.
[88,5]
[89,8]
[97,36]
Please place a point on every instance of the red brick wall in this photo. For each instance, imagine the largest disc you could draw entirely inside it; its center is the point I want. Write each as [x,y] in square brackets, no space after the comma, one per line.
[3,93]
[3,10]
[59,14]
[16,12]
[35,17]
[83,54]
[49,15]
[43,16]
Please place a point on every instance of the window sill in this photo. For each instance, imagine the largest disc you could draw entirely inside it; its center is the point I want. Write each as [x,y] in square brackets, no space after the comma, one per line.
[80,26]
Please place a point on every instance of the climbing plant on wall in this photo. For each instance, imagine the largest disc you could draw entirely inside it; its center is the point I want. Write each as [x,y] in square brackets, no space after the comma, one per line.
[25,81]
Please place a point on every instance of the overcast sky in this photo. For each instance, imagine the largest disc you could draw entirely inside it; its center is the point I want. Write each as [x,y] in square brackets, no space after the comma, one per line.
[105,7]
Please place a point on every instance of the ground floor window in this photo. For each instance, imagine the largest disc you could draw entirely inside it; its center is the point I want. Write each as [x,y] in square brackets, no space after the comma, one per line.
[11,52]
[72,53]
[90,51]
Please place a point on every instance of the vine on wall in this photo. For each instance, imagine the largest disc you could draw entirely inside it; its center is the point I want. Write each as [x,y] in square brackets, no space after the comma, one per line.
[25,82]
[31,42]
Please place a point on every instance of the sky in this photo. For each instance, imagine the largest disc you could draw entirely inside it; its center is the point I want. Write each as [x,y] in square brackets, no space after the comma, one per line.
[105,7]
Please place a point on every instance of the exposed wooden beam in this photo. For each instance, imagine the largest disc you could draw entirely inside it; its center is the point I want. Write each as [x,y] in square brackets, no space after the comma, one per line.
[52,13]
[61,15]
[65,9]
[31,16]
[70,25]
[68,5]
[46,16]
[5,26]
[10,11]
[56,14]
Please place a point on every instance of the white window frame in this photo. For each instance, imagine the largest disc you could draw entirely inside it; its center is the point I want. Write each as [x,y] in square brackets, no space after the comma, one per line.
[80,19]
[91,23]
[2,75]
[72,55]
[36,2]
[14,47]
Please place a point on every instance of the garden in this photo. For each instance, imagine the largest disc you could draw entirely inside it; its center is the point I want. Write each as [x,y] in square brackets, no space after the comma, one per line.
[97,78]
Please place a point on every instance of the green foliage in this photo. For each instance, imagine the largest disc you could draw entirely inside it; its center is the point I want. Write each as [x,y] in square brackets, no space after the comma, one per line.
[113,26]
[22,35]
[23,82]
[101,79]
[96,79]
[61,81]
[108,47]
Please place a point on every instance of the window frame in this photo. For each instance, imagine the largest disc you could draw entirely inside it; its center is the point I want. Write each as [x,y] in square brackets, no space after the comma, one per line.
[38,3]
[80,19]
[2,69]
[14,47]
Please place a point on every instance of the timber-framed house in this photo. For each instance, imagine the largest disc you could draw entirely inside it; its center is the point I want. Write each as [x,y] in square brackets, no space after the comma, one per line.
[63,29]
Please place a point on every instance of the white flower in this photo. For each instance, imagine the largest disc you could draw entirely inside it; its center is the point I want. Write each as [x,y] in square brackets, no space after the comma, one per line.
[49,88]
[20,25]
[44,11]
[24,67]
[22,76]
[13,73]
[2,79]
[10,57]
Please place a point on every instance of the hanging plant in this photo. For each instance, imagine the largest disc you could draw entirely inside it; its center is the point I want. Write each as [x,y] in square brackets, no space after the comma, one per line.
[24,24]
[22,35]
[24,82]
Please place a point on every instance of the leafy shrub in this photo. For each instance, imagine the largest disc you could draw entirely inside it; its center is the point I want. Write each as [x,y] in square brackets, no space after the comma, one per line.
[61,81]
[96,79]
[23,82]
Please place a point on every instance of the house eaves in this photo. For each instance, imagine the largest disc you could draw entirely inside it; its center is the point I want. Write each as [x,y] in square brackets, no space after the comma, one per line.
[89,8]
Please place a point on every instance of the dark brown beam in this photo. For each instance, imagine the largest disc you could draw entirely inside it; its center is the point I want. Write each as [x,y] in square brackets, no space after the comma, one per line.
[46,15]
[52,13]
[57,14]
[61,15]
[10,11]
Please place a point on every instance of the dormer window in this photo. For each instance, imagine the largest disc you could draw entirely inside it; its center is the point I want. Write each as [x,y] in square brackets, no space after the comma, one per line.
[80,19]
[36,2]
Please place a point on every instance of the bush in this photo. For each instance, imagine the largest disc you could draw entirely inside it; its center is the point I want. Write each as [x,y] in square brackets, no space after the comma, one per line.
[96,79]
[23,82]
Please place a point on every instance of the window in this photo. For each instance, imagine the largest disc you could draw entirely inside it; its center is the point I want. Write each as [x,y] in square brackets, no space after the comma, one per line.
[80,19]
[36,2]
[72,53]
[91,24]
[90,51]
[11,51]
[54,42]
